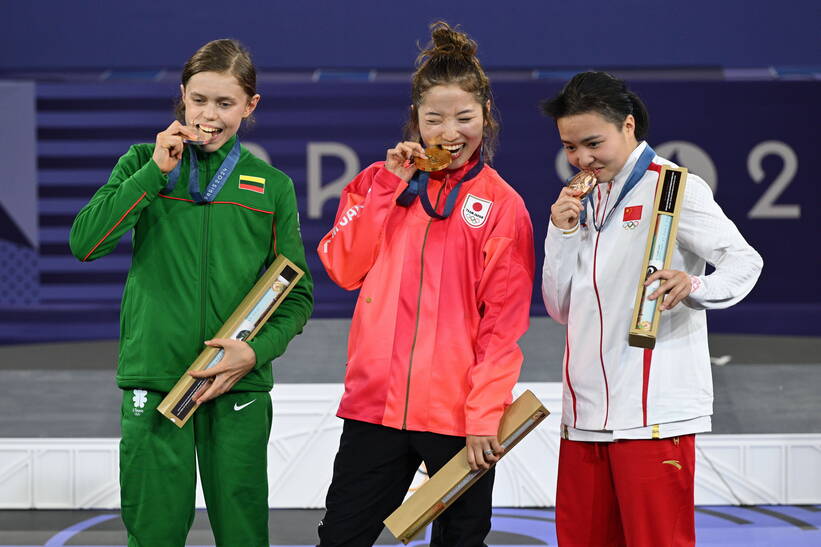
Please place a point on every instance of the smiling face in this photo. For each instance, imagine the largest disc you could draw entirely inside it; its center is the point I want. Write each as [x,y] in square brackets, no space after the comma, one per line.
[451,117]
[594,143]
[216,105]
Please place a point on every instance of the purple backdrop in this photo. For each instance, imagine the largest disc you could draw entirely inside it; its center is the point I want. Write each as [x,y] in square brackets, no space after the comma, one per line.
[753,141]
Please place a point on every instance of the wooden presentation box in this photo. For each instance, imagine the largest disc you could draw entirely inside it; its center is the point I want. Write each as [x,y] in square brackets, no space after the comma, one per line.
[657,255]
[450,482]
[254,310]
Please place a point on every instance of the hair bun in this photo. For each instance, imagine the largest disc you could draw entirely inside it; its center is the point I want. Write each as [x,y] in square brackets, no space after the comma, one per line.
[450,59]
[447,41]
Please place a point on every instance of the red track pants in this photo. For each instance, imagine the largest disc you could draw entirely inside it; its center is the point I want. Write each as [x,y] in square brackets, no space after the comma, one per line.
[632,493]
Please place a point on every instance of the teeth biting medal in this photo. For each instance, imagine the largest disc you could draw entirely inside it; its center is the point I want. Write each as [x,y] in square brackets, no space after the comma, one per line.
[584,182]
[203,136]
[436,158]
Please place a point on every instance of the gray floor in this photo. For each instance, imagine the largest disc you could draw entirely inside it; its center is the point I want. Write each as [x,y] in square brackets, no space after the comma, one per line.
[766,384]
[24,528]
[716,526]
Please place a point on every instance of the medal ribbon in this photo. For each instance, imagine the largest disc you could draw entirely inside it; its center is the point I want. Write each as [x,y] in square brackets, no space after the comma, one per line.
[450,202]
[638,171]
[217,182]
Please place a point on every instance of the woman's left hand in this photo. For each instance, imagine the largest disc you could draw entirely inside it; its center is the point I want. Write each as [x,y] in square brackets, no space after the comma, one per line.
[675,287]
[238,361]
[483,451]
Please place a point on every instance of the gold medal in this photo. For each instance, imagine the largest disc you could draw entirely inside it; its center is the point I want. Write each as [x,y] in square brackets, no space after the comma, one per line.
[436,160]
[584,182]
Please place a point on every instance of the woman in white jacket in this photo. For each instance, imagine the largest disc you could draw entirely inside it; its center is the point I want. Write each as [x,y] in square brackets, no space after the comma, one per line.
[630,415]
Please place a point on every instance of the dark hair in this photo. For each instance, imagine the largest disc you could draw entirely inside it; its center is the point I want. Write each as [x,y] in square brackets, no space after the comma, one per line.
[602,93]
[223,55]
[450,58]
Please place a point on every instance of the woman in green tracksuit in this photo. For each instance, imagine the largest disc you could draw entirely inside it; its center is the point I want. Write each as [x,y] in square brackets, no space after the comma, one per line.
[201,237]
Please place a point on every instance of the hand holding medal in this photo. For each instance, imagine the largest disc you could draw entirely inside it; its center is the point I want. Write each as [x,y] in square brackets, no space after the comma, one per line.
[565,212]
[583,183]
[436,158]
[406,157]
[170,145]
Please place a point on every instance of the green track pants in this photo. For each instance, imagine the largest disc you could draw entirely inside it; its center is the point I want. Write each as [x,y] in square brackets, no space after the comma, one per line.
[228,437]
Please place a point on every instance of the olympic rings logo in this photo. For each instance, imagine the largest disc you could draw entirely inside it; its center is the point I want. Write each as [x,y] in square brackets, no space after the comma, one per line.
[630,224]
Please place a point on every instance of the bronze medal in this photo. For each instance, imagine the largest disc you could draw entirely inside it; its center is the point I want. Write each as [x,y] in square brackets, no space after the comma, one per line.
[584,182]
[202,137]
[436,160]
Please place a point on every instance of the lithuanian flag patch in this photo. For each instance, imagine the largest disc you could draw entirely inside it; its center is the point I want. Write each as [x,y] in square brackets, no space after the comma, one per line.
[254,184]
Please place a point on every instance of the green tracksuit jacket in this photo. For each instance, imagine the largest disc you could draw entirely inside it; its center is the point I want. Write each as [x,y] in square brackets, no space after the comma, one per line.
[193,264]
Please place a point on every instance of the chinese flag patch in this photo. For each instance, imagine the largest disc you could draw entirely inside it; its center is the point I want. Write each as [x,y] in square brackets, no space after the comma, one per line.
[632,213]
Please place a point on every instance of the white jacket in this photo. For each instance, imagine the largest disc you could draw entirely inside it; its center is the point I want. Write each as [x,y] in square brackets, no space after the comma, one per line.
[589,283]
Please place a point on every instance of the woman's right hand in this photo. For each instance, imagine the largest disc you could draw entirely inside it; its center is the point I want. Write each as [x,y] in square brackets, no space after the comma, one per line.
[169,146]
[564,214]
[399,155]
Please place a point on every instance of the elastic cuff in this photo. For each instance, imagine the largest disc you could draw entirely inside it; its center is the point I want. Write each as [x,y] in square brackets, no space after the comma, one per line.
[571,231]
[483,427]
[564,233]
[260,347]
[388,181]
[150,179]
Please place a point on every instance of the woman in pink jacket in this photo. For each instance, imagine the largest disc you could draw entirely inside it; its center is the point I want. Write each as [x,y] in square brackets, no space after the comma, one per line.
[443,262]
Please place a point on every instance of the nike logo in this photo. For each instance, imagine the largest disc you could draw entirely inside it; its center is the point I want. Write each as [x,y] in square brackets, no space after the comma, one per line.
[240,407]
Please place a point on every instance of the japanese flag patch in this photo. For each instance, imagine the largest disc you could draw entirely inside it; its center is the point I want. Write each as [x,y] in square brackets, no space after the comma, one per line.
[476,210]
